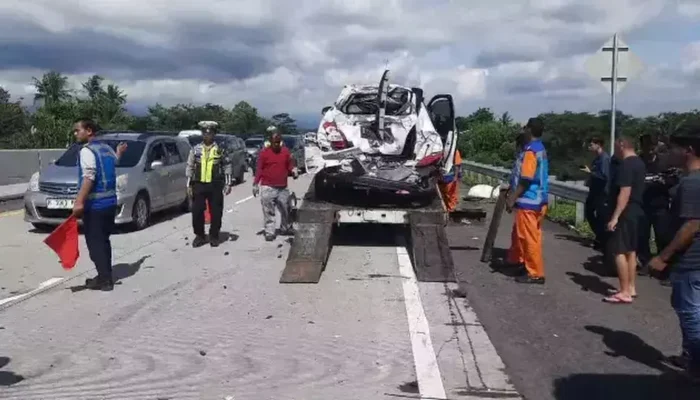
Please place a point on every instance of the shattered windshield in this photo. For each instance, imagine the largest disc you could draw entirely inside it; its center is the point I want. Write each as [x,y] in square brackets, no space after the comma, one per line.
[398,102]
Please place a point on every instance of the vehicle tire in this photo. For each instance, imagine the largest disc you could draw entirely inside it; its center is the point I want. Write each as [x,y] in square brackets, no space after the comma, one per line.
[44,228]
[141,212]
[241,177]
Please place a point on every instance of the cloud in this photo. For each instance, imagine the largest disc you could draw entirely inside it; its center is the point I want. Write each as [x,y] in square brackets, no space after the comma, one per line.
[519,56]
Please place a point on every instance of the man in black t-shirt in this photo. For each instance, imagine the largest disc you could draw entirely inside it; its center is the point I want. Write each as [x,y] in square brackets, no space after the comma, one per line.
[626,197]
[683,252]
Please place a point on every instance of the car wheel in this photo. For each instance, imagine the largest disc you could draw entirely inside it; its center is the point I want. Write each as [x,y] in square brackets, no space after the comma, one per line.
[241,177]
[45,228]
[141,212]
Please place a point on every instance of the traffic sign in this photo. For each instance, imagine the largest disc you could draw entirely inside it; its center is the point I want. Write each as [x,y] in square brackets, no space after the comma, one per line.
[600,65]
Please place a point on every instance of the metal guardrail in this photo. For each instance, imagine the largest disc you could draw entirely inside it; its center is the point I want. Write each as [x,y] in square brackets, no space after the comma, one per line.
[558,189]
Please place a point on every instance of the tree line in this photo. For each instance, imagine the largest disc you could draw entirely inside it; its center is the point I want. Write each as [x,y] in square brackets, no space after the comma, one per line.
[56,106]
[485,137]
[490,139]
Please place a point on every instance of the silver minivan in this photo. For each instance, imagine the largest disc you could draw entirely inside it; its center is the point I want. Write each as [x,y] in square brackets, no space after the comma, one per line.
[150,177]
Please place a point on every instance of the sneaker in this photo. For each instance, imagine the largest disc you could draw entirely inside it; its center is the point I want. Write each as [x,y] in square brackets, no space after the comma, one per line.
[532,280]
[269,238]
[97,283]
[199,241]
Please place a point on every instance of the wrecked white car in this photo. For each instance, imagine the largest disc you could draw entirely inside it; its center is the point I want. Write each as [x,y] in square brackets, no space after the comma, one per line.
[383,142]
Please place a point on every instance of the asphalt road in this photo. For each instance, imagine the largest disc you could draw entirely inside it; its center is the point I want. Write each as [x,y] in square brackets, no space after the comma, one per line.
[11,205]
[560,341]
[214,323]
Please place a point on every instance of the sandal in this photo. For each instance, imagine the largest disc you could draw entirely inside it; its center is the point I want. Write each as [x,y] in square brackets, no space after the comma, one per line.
[613,292]
[617,299]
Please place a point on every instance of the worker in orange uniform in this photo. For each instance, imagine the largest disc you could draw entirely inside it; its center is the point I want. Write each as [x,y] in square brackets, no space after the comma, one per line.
[449,184]
[528,197]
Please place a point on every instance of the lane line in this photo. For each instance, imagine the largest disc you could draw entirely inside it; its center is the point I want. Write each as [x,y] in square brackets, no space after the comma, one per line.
[42,286]
[11,213]
[427,370]
[244,200]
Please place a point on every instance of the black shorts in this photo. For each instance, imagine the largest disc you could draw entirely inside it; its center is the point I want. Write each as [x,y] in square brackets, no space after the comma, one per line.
[625,238]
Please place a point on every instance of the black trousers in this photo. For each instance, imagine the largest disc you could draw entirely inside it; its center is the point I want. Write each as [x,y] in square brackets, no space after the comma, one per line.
[595,213]
[97,227]
[658,219]
[214,194]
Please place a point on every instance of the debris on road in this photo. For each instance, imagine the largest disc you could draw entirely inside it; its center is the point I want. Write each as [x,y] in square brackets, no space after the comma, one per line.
[202,353]
[268,317]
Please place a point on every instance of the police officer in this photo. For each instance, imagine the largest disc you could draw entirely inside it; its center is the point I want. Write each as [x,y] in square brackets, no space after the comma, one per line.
[209,173]
[96,202]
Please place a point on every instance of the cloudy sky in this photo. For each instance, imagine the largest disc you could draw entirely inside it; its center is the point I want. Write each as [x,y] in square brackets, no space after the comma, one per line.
[521,56]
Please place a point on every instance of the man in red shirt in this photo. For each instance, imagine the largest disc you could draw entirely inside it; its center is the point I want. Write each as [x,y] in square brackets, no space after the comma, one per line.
[275,163]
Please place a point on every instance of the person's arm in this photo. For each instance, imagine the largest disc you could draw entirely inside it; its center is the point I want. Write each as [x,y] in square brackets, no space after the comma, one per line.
[689,192]
[190,167]
[527,175]
[291,162]
[88,164]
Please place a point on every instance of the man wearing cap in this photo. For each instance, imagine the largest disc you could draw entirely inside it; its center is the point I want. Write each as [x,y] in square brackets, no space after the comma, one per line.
[209,176]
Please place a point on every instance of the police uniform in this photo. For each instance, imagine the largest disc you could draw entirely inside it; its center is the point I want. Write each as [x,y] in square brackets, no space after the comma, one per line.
[209,173]
[98,163]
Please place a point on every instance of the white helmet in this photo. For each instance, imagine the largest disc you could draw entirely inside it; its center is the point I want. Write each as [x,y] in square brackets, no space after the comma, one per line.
[271,128]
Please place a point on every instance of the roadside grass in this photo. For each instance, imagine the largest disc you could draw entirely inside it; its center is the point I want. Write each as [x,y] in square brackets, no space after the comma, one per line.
[564,212]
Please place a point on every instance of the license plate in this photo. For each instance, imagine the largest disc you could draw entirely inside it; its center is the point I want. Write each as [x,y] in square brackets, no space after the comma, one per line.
[60,204]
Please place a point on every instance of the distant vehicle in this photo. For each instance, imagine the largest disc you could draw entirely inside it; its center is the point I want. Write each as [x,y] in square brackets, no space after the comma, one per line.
[150,178]
[253,145]
[295,144]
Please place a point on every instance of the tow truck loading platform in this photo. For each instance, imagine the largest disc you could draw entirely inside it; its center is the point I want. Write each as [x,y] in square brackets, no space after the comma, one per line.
[423,230]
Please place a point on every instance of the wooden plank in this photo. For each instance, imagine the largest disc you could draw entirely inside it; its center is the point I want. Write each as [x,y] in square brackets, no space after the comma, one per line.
[309,253]
[487,251]
[432,258]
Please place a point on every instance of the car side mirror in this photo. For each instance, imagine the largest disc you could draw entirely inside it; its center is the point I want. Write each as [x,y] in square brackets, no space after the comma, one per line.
[157,164]
[325,110]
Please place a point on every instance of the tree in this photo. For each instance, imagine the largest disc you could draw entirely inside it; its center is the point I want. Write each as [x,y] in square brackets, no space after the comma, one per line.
[286,124]
[481,115]
[244,119]
[51,89]
[93,86]
[13,117]
[506,119]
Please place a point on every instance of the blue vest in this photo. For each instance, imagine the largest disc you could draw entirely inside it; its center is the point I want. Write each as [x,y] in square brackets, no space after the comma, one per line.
[537,192]
[104,192]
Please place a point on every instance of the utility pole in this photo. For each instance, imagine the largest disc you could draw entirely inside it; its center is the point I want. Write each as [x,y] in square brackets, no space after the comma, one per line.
[613,89]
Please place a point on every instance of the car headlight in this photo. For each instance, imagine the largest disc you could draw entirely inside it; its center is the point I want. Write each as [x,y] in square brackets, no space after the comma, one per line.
[34,183]
[122,182]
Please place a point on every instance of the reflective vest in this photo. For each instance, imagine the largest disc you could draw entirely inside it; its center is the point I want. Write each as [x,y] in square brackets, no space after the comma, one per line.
[104,192]
[456,171]
[208,164]
[537,192]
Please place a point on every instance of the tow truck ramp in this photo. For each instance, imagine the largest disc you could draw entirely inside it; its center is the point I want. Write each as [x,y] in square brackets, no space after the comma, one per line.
[317,220]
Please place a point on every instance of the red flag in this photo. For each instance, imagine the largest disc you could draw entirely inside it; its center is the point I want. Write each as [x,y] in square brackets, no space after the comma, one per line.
[64,241]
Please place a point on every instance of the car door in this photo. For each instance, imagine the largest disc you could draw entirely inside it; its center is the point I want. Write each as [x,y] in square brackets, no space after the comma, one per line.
[176,166]
[442,113]
[157,179]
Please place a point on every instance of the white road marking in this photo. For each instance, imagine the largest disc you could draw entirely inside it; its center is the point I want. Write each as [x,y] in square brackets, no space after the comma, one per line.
[244,200]
[11,213]
[427,370]
[42,286]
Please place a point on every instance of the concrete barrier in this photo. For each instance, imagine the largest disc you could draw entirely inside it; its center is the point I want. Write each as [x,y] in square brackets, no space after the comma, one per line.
[17,166]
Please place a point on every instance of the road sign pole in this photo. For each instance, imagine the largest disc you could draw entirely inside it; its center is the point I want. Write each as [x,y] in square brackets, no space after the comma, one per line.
[613,97]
